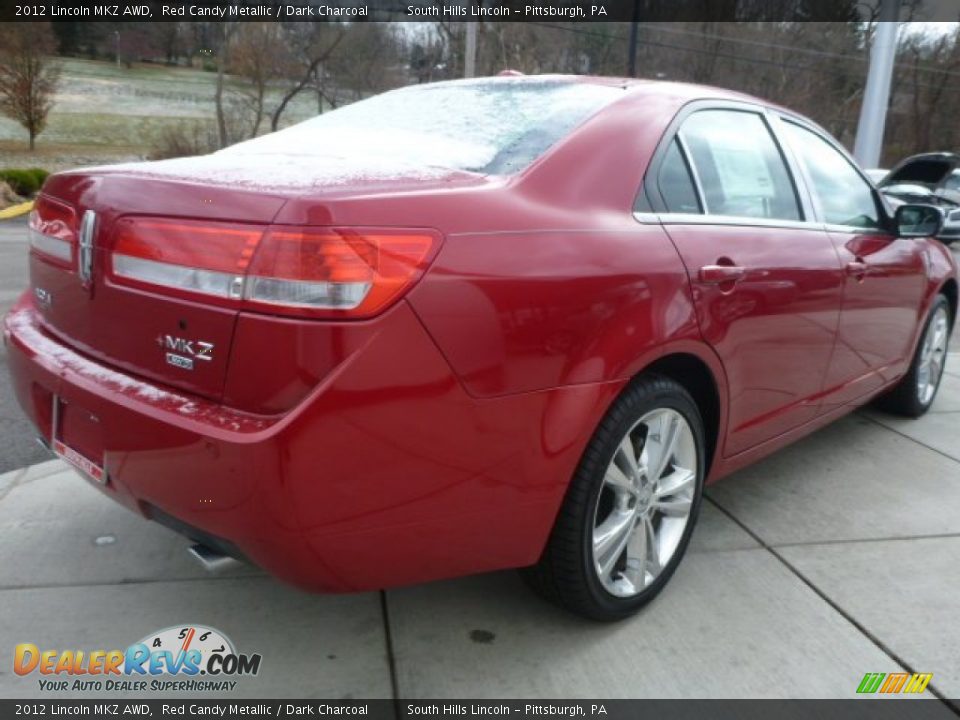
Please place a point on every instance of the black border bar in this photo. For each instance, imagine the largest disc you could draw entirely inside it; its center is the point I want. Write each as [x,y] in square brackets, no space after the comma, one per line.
[462,10]
[877,708]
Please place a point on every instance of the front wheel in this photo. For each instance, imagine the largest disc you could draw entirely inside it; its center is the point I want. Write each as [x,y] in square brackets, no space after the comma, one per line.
[915,392]
[631,506]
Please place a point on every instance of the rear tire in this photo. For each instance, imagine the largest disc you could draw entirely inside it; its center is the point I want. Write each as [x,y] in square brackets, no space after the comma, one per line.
[630,510]
[916,391]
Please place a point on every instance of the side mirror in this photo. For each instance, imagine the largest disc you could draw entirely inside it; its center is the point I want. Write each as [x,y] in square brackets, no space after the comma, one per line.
[918,221]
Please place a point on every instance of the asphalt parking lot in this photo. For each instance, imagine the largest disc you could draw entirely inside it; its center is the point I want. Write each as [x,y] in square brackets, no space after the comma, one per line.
[836,557]
[17,448]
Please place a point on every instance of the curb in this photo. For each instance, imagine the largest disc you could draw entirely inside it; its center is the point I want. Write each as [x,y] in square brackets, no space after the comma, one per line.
[16,210]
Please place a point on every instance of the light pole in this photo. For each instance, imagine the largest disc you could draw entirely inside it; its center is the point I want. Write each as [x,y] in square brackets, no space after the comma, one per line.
[876,94]
[632,44]
[470,52]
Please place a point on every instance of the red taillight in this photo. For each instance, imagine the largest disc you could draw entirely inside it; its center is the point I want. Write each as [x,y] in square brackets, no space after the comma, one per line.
[196,257]
[53,230]
[337,272]
[295,271]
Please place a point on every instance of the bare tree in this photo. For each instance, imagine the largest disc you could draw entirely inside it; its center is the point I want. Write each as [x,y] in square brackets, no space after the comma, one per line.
[310,48]
[227,30]
[931,63]
[370,62]
[28,74]
[254,60]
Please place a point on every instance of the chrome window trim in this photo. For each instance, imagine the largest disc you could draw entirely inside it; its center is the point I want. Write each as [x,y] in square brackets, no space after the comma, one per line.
[647,218]
[736,220]
[727,221]
[854,230]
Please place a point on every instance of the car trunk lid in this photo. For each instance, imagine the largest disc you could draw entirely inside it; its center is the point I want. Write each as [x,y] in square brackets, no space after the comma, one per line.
[182,343]
[183,340]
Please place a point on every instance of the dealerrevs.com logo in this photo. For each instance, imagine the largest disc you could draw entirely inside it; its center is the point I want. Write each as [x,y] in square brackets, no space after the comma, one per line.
[185,658]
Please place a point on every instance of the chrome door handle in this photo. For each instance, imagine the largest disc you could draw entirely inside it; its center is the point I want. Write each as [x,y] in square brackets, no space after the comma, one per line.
[857,268]
[716,274]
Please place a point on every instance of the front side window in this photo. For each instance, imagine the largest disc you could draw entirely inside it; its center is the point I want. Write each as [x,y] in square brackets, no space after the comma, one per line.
[740,168]
[845,197]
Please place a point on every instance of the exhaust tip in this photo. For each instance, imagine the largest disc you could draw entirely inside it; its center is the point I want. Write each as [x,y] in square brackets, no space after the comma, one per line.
[211,560]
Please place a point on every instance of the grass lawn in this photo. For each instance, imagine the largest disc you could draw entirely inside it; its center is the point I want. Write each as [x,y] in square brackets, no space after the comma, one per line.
[104,113]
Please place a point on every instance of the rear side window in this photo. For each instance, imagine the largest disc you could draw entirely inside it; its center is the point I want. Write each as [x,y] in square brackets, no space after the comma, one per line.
[740,167]
[676,184]
[845,197]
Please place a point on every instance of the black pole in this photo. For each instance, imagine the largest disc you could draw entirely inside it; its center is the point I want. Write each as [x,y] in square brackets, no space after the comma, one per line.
[634,28]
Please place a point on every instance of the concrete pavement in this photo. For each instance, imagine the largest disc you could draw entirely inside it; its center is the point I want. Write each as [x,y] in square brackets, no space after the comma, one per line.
[833,558]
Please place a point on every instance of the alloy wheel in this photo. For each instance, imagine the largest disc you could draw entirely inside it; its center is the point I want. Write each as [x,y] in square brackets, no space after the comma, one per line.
[933,352]
[645,502]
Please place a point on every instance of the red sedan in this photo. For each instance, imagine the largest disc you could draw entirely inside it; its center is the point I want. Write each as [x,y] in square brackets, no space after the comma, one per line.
[511,322]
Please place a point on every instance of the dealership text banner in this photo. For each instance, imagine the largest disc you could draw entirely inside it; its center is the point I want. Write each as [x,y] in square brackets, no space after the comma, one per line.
[446,10]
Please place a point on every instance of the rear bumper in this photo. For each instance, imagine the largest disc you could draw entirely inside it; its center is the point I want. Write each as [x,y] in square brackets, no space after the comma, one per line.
[388,473]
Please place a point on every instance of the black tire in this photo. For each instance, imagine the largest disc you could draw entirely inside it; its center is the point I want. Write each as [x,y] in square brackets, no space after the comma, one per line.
[565,573]
[904,398]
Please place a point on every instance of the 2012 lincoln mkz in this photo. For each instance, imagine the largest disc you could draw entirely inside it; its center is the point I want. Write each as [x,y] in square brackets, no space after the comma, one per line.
[515,322]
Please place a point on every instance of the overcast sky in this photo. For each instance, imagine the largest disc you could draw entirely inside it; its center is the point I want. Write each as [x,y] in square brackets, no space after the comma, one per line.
[931,28]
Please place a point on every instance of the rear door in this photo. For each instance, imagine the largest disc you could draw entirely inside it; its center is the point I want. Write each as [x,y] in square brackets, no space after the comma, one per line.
[766,282]
[885,275]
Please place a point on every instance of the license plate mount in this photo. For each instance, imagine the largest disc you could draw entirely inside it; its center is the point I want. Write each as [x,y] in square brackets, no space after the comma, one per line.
[77,438]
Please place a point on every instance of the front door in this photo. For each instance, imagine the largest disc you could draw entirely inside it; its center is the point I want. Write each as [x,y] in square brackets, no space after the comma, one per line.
[885,275]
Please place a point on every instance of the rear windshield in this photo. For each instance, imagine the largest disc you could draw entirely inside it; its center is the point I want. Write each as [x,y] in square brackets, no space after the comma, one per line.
[486,126]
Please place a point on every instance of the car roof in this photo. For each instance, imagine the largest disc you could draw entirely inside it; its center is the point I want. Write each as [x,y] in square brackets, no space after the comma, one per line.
[643,85]
[681,92]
